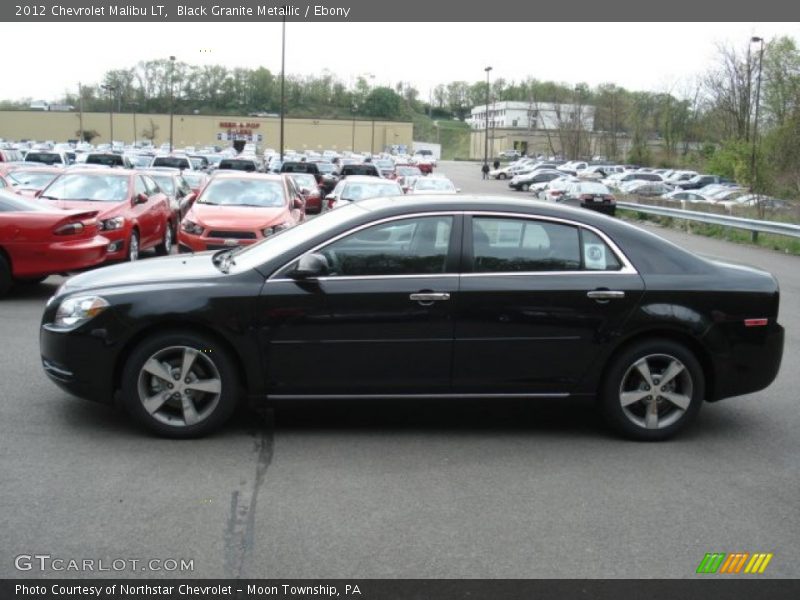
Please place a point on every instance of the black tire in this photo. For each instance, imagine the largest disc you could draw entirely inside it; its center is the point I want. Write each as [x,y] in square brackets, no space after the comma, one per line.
[502,176]
[5,276]
[526,187]
[165,247]
[653,417]
[133,247]
[211,366]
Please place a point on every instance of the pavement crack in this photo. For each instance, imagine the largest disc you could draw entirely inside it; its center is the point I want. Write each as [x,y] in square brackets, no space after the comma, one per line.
[241,523]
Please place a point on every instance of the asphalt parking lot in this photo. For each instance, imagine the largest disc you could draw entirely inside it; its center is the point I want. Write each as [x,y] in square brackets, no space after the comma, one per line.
[414,489]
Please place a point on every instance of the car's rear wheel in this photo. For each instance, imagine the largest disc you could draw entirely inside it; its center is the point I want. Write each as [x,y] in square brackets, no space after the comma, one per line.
[653,390]
[165,247]
[501,176]
[526,187]
[5,276]
[180,384]
[133,246]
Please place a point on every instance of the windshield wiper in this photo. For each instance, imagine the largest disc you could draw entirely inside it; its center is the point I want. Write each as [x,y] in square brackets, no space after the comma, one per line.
[49,197]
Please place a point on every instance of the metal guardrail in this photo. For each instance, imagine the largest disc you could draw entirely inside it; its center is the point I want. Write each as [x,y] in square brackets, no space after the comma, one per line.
[753,225]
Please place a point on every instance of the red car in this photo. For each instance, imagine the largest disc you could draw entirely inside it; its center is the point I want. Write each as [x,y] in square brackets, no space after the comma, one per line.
[134,213]
[238,209]
[307,185]
[36,242]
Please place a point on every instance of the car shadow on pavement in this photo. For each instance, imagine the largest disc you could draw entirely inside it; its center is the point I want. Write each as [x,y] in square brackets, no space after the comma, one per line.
[561,416]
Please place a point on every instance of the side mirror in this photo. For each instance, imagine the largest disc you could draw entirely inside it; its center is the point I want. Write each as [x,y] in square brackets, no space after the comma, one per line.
[305,191]
[311,266]
[140,199]
[299,203]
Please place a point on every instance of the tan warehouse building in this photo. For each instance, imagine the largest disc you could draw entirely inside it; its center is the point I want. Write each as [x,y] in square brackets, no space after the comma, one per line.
[201,130]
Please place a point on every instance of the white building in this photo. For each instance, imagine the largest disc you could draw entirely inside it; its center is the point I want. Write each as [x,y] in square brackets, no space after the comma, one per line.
[533,115]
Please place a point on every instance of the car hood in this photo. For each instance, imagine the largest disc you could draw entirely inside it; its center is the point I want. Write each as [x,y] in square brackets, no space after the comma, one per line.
[159,271]
[103,208]
[238,217]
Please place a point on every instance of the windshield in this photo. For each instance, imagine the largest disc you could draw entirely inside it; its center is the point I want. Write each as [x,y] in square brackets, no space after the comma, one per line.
[434,184]
[243,192]
[165,182]
[48,158]
[304,180]
[99,188]
[34,180]
[362,191]
[171,161]
[326,167]
[109,160]
[194,179]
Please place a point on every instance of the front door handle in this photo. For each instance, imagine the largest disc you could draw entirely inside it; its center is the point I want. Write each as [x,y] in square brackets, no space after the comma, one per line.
[606,294]
[428,298]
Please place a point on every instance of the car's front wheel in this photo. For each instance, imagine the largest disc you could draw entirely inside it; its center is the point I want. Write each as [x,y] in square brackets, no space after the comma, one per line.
[652,390]
[165,247]
[501,176]
[133,246]
[180,384]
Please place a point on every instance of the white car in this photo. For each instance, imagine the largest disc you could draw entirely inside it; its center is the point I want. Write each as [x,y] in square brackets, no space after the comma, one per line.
[433,185]
[685,196]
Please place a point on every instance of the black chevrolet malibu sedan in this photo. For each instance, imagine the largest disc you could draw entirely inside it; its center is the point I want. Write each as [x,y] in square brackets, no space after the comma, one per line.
[461,297]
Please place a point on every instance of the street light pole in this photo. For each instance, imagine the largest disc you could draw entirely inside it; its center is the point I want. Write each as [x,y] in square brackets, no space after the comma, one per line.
[133,106]
[486,134]
[753,164]
[171,98]
[353,142]
[283,77]
[110,89]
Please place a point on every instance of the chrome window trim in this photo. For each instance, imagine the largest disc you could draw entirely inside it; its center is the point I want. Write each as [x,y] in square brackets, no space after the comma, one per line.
[627,266]
[359,228]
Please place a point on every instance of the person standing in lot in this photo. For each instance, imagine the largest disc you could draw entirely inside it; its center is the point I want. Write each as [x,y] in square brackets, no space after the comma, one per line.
[485,170]
[496,164]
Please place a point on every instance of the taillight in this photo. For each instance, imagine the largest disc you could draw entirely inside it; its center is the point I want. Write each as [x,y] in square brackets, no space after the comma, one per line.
[70,229]
[756,322]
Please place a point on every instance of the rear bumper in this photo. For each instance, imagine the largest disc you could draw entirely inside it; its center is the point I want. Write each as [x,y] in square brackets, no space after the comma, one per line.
[750,364]
[61,257]
[606,209]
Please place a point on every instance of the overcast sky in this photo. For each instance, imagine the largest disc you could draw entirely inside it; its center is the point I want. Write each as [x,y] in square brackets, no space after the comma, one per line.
[54,57]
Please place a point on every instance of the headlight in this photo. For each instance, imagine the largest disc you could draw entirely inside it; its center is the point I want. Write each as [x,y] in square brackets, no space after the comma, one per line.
[275,229]
[191,227]
[110,224]
[78,310]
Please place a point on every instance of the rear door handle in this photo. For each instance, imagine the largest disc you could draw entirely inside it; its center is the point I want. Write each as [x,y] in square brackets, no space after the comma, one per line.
[427,298]
[605,294]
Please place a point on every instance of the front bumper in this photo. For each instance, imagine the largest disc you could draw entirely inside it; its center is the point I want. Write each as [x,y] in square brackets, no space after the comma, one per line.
[79,363]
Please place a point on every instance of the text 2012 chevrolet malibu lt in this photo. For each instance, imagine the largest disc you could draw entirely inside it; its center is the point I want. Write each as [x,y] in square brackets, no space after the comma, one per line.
[426,297]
